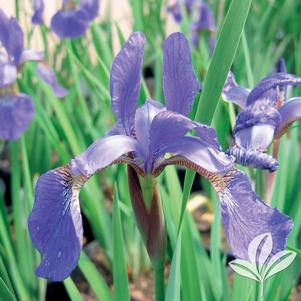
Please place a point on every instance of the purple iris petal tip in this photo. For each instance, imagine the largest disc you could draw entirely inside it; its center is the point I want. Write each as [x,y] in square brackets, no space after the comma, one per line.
[125,80]
[180,83]
[246,216]
[55,223]
[38,6]
[48,75]
[73,23]
[16,114]
[8,74]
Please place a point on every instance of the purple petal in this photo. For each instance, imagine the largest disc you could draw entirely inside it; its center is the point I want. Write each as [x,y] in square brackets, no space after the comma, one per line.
[206,19]
[166,127]
[263,111]
[281,66]
[235,93]
[55,223]
[11,37]
[253,158]
[180,83]
[31,55]
[38,6]
[199,157]
[70,24]
[48,75]
[103,153]
[91,8]
[269,83]
[290,112]
[246,216]
[143,120]
[175,10]
[125,80]
[8,74]
[16,114]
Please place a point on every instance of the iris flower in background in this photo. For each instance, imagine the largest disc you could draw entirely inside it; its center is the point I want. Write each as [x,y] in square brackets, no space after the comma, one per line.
[265,116]
[16,110]
[38,16]
[72,21]
[202,15]
[147,139]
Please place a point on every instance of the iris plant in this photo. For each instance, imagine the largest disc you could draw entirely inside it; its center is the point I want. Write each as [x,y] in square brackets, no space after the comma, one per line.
[147,139]
[203,18]
[17,110]
[265,116]
[72,20]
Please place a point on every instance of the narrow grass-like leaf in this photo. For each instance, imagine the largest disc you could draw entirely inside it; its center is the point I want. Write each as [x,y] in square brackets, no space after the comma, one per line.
[121,284]
[5,293]
[96,281]
[72,290]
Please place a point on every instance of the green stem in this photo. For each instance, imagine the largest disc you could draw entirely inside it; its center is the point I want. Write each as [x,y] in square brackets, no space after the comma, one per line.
[159,282]
[261,296]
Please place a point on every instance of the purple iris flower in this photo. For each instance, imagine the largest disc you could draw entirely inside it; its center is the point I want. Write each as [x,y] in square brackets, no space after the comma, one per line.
[73,20]
[49,77]
[38,16]
[16,110]
[203,18]
[142,138]
[266,115]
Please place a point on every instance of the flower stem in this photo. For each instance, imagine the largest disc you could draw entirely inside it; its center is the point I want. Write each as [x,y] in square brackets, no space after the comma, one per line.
[261,297]
[159,282]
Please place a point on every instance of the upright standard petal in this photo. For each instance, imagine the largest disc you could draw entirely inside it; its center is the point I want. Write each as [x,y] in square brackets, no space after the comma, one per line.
[38,7]
[16,114]
[235,93]
[180,83]
[48,75]
[206,18]
[290,112]
[246,216]
[271,82]
[70,24]
[125,80]
[103,153]
[8,74]
[55,223]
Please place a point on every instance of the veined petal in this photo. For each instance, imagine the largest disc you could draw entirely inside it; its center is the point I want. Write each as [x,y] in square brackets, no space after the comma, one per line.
[125,80]
[192,153]
[290,112]
[55,223]
[8,74]
[16,114]
[246,216]
[234,93]
[143,120]
[91,8]
[103,153]
[31,55]
[261,112]
[48,75]
[253,158]
[180,83]
[38,6]
[166,127]
[271,82]
[70,23]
